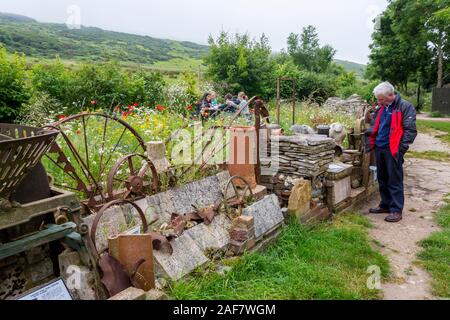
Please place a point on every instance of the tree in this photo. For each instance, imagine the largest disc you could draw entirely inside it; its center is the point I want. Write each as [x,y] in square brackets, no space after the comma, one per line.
[13,89]
[240,64]
[52,79]
[412,42]
[307,53]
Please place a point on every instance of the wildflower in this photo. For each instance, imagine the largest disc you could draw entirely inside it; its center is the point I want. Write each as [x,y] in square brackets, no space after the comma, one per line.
[189,108]
[124,115]
[130,108]
[78,131]
[136,104]
[61,117]
[93,102]
[160,108]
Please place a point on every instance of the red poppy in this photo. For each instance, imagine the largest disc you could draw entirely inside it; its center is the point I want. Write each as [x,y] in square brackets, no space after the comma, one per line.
[160,108]
[124,114]
[60,117]
[78,131]
[93,102]
[136,104]
[189,108]
[130,108]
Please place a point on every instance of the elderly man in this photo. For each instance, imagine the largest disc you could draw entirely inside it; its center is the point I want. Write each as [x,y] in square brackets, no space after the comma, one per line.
[392,130]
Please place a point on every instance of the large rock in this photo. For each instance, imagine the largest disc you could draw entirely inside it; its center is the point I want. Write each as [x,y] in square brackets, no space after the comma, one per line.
[267,214]
[300,199]
[213,236]
[186,257]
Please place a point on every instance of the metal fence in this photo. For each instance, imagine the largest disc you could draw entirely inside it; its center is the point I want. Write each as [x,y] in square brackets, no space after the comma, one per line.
[441,100]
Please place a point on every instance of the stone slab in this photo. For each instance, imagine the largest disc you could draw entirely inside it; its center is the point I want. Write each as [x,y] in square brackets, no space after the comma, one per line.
[214,236]
[267,214]
[186,257]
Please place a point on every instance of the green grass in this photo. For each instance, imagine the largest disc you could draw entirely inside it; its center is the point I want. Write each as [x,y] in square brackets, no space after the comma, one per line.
[430,155]
[429,125]
[435,256]
[328,261]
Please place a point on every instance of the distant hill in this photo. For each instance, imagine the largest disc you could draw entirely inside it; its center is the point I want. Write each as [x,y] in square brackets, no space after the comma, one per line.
[48,40]
[359,69]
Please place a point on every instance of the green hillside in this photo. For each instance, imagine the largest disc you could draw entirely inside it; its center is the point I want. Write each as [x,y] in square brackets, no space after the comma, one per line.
[359,69]
[48,40]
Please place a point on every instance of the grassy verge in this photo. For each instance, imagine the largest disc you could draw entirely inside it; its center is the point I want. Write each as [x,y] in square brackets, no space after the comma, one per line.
[430,155]
[435,256]
[428,125]
[328,261]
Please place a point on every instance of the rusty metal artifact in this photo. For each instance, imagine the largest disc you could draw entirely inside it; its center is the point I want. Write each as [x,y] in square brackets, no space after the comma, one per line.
[88,147]
[130,183]
[238,199]
[21,148]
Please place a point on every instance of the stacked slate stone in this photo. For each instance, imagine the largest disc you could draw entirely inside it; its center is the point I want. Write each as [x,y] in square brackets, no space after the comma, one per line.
[302,155]
[354,106]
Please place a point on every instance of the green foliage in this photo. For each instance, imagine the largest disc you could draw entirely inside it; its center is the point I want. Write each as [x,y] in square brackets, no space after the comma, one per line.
[435,255]
[92,86]
[13,89]
[316,86]
[240,64]
[50,40]
[40,110]
[328,261]
[359,69]
[444,126]
[412,37]
[307,53]
[54,79]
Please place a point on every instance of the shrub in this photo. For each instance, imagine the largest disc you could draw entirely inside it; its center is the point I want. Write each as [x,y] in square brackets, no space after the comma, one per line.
[41,109]
[315,86]
[13,89]
[54,79]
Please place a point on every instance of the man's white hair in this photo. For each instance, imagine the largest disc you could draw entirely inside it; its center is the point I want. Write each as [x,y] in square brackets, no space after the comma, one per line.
[383,89]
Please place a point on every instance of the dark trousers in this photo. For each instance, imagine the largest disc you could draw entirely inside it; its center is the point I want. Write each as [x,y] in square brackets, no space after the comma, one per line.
[390,179]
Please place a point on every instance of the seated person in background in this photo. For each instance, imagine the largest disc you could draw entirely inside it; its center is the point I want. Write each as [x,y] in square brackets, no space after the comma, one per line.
[214,102]
[230,104]
[243,101]
[203,104]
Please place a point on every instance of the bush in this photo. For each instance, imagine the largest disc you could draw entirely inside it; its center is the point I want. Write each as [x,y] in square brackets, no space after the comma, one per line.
[146,87]
[241,64]
[316,86]
[13,89]
[42,109]
[52,79]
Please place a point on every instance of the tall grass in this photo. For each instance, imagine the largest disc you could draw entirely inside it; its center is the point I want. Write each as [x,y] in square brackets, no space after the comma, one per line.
[328,261]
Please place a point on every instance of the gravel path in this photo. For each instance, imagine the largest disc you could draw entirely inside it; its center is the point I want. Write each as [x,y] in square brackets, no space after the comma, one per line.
[426,184]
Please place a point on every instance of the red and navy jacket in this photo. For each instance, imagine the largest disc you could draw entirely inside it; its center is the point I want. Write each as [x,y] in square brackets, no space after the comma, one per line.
[403,127]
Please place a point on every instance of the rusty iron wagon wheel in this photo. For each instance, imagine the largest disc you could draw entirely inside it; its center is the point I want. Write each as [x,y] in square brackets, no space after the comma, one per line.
[88,147]
[132,176]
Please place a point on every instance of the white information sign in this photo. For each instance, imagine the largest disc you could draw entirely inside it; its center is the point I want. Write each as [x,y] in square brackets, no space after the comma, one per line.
[56,290]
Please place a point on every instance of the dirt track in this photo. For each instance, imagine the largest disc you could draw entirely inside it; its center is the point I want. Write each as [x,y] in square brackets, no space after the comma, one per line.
[426,184]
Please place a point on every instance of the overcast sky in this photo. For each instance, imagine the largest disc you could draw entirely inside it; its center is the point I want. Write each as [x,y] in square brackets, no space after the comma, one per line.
[344,24]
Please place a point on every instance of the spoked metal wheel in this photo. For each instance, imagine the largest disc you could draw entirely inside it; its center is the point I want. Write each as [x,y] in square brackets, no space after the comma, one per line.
[132,176]
[237,194]
[88,147]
